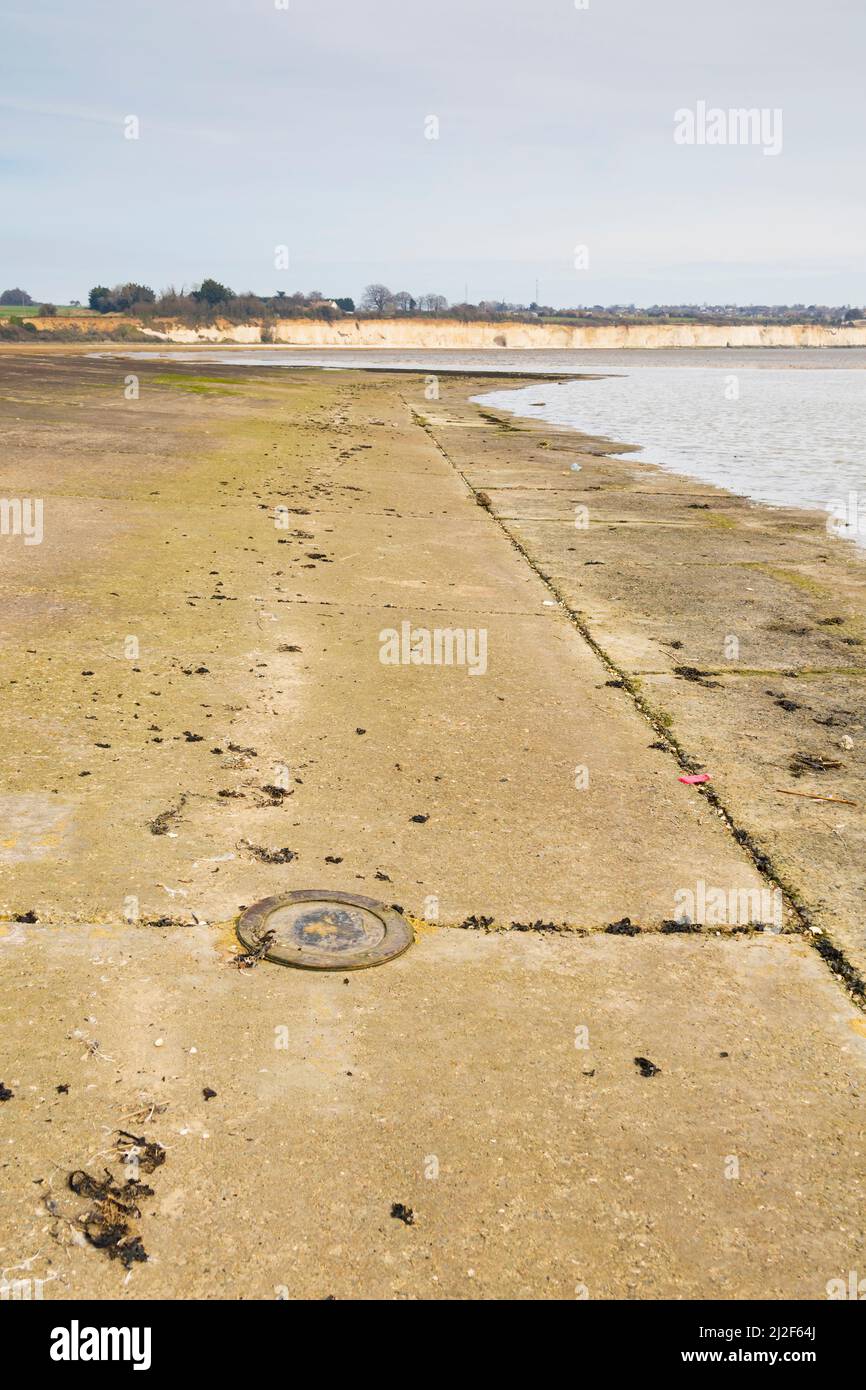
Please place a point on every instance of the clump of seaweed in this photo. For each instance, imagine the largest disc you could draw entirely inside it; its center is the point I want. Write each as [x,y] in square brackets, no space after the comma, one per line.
[108,1223]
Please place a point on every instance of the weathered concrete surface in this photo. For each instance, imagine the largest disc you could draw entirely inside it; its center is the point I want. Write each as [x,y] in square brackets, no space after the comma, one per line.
[761,603]
[158,531]
[558,1166]
[735,1172]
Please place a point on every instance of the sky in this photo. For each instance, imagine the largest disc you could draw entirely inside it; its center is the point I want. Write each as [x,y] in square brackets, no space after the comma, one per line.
[306,124]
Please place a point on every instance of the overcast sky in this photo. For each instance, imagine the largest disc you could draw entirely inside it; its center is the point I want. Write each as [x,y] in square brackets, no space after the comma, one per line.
[307,126]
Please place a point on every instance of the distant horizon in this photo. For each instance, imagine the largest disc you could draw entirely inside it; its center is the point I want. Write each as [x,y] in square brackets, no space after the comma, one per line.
[357,296]
[81,300]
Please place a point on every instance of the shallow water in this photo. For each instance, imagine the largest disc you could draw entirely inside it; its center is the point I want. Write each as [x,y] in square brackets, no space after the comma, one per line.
[779,436]
[523,362]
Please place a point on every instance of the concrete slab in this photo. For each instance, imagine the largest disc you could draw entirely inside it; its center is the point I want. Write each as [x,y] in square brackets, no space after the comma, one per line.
[486,1082]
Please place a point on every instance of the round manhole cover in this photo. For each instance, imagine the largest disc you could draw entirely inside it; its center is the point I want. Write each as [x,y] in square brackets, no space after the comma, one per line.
[319,930]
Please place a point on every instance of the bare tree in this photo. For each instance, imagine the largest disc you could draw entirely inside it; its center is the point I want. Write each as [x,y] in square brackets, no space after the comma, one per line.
[403,302]
[378,298]
[433,303]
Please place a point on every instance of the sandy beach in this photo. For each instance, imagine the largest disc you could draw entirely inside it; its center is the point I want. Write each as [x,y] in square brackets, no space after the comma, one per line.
[200,711]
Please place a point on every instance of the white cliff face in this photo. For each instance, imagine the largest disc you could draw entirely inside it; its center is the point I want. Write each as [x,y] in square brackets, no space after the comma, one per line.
[445,333]
[212,333]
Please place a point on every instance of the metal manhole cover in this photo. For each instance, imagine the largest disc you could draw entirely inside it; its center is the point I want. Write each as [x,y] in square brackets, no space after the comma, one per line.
[316,929]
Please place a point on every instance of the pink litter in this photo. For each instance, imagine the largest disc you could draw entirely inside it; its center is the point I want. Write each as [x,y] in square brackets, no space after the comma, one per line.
[694,777]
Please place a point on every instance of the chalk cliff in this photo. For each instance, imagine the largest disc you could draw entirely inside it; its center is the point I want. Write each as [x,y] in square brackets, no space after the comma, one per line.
[445,333]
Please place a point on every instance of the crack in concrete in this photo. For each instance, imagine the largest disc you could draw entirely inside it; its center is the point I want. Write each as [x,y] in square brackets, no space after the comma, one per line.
[833,957]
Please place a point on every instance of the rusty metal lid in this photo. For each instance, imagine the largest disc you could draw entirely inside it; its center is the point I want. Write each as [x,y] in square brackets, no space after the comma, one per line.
[317,929]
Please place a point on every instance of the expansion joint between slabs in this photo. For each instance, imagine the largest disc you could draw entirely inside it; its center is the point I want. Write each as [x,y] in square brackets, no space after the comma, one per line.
[834,958]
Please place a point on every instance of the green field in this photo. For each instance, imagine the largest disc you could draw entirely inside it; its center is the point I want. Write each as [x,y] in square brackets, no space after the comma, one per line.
[27,311]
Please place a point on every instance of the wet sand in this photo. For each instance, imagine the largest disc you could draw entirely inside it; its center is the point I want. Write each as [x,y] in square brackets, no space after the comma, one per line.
[135,797]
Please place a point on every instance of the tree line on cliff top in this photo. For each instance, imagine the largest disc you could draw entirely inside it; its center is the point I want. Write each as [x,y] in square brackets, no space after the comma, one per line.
[211,299]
